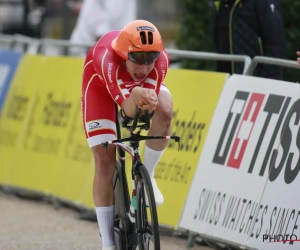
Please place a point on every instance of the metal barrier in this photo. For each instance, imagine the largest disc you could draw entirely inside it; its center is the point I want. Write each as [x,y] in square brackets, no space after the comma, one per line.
[211,56]
[270,60]
[25,44]
[63,47]
[6,41]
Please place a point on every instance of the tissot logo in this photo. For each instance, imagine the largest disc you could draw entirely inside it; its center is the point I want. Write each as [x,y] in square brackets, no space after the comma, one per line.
[278,120]
[245,128]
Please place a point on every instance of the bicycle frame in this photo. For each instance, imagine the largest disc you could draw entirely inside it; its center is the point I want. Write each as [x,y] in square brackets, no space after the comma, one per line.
[122,158]
[133,148]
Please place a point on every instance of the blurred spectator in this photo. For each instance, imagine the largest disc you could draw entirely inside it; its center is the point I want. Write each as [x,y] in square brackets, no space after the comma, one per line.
[249,27]
[97,17]
[75,6]
[36,17]
[24,17]
[298,59]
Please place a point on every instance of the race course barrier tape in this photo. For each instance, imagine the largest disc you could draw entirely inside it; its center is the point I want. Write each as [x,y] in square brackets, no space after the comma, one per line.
[246,187]
[43,147]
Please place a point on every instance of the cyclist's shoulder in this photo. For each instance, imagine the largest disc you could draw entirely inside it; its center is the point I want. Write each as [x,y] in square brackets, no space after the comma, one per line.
[161,65]
[107,38]
[163,60]
[103,45]
[103,54]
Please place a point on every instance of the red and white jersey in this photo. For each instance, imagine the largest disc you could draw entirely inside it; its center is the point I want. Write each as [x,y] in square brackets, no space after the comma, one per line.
[109,71]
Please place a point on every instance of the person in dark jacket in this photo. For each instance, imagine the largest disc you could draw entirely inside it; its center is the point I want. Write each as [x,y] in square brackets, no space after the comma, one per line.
[249,27]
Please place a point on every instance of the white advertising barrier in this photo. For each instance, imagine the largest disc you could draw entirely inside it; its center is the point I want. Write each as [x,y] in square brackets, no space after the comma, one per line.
[246,185]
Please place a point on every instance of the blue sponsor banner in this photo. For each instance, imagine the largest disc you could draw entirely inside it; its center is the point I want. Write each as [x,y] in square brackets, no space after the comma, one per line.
[9,61]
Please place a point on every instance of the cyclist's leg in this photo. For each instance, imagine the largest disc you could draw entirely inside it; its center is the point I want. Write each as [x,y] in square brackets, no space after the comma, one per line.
[98,113]
[162,119]
[161,125]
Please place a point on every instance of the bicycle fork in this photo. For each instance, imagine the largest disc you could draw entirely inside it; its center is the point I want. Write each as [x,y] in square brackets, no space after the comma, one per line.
[136,161]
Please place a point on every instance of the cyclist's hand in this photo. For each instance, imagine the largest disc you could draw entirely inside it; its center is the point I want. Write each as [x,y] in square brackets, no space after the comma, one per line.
[298,59]
[151,106]
[145,99]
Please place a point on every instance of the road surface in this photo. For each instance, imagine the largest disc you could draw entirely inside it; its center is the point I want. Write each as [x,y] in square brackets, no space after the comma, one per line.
[31,225]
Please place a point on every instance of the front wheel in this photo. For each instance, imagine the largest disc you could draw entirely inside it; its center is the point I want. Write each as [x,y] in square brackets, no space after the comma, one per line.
[147,228]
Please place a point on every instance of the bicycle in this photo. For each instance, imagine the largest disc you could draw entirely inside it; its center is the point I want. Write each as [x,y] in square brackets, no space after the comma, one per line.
[130,235]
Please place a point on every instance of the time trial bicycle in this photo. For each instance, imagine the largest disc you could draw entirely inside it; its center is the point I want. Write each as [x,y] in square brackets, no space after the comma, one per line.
[143,233]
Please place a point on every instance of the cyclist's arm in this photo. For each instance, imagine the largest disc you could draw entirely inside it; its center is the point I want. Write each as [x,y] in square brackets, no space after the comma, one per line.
[157,75]
[152,81]
[107,69]
[129,106]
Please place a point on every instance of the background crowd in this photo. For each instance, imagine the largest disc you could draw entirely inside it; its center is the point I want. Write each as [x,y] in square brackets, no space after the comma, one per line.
[240,27]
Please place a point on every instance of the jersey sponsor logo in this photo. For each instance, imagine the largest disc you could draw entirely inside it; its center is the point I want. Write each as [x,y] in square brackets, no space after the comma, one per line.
[163,73]
[162,65]
[132,84]
[81,103]
[109,69]
[93,125]
[276,120]
[117,97]
[142,28]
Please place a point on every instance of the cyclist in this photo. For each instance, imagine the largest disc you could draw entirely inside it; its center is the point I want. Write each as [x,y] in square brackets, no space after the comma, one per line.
[127,67]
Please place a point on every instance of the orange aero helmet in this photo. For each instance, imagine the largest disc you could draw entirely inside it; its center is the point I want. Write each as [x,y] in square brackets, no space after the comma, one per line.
[137,36]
